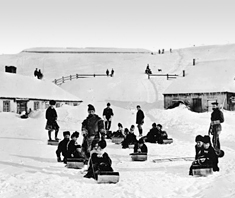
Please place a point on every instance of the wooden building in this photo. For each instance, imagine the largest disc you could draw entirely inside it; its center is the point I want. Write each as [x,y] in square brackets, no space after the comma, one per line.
[20,93]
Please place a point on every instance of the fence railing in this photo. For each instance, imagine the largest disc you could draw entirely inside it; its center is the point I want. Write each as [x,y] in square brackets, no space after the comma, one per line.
[62,80]
[168,76]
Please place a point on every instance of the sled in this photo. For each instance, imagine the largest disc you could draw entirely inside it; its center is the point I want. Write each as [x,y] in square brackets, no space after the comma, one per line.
[167,141]
[172,159]
[76,163]
[139,156]
[53,142]
[202,171]
[131,146]
[107,177]
[117,140]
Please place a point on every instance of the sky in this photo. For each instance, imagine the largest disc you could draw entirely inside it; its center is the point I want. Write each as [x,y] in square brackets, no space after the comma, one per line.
[148,24]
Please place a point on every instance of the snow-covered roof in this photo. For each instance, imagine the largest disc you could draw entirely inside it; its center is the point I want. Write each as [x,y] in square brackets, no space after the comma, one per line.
[19,86]
[85,50]
[205,77]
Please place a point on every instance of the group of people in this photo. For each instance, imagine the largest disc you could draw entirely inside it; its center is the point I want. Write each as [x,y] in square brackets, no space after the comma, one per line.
[111,72]
[207,153]
[156,134]
[38,73]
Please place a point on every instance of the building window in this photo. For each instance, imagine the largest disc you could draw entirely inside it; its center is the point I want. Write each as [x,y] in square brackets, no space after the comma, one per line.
[36,105]
[6,106]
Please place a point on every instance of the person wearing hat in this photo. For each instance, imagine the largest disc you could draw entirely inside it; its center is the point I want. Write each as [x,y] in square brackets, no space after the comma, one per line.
[51,116]
[74,150]
[108,114]
[153,135]
[62,146]
[130,138]
[217,118]
[163,134]
[119,133]
[140,146]
[92,128]
[139,120]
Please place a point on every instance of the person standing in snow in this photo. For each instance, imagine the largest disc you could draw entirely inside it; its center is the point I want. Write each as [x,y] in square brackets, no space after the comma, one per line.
[107,72]
[108,114]
[92,128]
[217,118]
[36,72]
[51,116]
[139,120]
[112,73]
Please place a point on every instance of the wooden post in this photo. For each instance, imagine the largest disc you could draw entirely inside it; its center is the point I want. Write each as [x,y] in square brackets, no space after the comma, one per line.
[70,77]
[183,73]
[148,76]
[62,79]
[194,61]
[55,81]
[76,75]
[167,76]
[94,75]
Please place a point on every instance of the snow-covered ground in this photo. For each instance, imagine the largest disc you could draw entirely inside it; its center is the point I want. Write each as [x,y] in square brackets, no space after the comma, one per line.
[28,166]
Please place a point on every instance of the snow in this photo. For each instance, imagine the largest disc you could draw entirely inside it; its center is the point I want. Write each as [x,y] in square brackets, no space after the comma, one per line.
[19,86]
[28,166]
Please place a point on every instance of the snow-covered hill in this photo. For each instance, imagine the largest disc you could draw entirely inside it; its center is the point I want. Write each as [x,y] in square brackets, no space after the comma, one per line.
[28,166]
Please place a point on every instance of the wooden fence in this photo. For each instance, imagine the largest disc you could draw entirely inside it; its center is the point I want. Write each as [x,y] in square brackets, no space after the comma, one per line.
[62,80]
[168,76]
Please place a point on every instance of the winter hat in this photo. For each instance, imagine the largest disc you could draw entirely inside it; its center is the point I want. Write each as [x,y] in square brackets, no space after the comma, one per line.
[154,124]
[102,144]
[75,134]
[52,102]
[159,125]
[206,139]
[108,104]
[215,103]
[91,107]
[66,133]
[198,138]
[141,141]
[120,125]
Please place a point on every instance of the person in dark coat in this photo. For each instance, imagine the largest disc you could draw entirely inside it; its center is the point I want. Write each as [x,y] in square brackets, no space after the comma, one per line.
[208,157]
[198,151]
[140,147]
[40,75]
[107,72]
[130,138]
[119,132]
[36,72]
[139,120]
[153,135]
[74,150]
[99,161]
[51,116]
[217,118]
[112,73]
[62,147]
[108,114]
[92,128]
[163,134]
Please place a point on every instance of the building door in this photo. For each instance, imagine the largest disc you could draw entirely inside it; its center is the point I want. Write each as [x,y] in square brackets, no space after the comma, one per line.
[197,105]
[21,106]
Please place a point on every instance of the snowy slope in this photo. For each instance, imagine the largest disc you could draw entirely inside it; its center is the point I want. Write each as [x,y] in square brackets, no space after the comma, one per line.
[28,166]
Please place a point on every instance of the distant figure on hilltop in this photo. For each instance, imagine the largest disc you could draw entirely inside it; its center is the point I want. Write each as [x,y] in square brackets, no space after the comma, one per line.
[107,72]
[170,50]
[36,72]
[40,75]
[159,51]
[112,73]
[162,51]
[108,114]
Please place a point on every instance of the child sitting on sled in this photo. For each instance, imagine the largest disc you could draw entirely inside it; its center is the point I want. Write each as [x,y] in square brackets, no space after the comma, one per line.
[99,161]
[140,147]
[130,138]
[119,132]
[62,147]
[207,157]
[74,150]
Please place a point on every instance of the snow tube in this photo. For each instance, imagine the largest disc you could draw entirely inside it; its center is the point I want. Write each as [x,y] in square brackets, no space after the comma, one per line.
[167,141]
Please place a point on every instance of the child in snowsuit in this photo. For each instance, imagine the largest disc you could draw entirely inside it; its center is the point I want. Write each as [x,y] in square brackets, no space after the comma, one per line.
[140,147]
[99,161]
[163,134]
[74,150]
[130,138]
[51,117]
[62,147]
[119,132]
